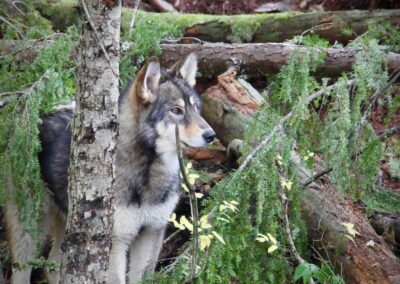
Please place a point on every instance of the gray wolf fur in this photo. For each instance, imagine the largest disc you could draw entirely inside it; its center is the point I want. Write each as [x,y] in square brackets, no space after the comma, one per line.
[147,171]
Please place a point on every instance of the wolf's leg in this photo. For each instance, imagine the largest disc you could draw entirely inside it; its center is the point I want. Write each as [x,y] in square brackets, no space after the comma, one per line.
[144,253]
[125,229]
[55,224]
[22,245]
[118,260]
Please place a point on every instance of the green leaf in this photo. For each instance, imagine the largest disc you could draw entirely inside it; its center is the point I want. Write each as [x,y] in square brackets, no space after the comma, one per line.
[305,271]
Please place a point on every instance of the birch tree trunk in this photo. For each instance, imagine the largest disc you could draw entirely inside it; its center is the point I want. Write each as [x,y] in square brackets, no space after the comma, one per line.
[86,247]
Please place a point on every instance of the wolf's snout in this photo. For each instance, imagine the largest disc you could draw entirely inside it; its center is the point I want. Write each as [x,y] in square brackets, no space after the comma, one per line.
[209,136]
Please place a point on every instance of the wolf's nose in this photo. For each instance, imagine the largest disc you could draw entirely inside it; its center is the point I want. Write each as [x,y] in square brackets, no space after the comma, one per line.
[209,136]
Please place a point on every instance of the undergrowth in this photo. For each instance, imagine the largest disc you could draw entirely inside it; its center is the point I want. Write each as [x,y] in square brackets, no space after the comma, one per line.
[242,257]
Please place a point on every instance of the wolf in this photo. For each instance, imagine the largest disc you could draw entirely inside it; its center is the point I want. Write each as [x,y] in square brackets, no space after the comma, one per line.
[147,171]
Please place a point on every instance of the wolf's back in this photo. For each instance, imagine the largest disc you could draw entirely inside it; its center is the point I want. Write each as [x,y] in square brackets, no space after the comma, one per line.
[55,138]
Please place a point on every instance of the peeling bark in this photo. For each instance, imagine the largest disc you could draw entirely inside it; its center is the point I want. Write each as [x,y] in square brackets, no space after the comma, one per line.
[86,247]
[229,105]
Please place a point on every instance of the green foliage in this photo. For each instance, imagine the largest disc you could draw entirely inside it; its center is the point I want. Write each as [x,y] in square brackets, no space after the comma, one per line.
[382,199]
[386,34]
[347,129]
[310,40]
[25,23]
[41,263]
[323,274]
[35,88]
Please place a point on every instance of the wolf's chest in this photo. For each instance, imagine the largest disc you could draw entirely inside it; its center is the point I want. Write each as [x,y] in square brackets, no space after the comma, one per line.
[129,220]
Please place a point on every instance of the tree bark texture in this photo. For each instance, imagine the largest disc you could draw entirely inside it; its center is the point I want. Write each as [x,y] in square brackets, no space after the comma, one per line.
[284,26]
[86,247]
[256,60]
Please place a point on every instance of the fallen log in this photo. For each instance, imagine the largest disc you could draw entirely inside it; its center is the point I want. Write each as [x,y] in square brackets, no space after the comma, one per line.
[329,25]
[388,226]
[256,60]
[366,260]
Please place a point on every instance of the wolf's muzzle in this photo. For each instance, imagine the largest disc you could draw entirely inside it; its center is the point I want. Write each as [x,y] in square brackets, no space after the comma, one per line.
[209,136]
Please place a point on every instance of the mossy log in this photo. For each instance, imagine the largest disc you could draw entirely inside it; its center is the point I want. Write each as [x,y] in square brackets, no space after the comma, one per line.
[284,26]
[258,59]
[246,28]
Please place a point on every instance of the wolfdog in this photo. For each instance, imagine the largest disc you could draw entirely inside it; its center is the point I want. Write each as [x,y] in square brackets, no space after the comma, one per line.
[147,171]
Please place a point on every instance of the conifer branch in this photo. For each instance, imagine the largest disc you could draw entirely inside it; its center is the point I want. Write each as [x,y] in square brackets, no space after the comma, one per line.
[364,119]
[383,136]
[132,22]
[279,125]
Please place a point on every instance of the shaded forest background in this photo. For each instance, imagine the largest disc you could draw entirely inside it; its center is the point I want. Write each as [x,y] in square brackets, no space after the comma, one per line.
[344,224]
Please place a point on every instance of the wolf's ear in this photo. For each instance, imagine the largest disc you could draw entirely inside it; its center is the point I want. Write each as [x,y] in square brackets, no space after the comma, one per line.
[187,69]
[150,81]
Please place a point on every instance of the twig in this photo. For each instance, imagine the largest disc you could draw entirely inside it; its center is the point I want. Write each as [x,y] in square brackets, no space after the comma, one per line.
[32,43]
[284,202]
[376,96]
[193,205]
[182,39]
[176,261]
[389,132]
[163,6]
[170,237]
[132,23]
[13,4]
[317,176]
[12,25]
[91,23]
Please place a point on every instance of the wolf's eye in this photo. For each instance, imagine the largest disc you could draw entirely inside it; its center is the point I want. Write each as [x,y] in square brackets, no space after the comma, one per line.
[176,110]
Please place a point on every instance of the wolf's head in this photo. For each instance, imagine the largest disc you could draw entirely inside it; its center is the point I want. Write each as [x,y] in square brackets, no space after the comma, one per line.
[164,98]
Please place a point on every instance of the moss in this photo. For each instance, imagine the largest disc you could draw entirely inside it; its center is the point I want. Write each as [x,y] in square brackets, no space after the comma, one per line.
[62,13]
[382,199]
[241,27]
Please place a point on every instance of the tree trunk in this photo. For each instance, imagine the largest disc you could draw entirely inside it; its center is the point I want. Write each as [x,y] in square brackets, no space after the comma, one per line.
[281,27]
[256,60]
[86,248]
